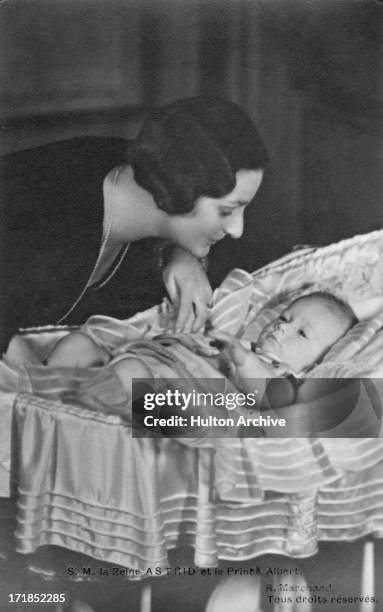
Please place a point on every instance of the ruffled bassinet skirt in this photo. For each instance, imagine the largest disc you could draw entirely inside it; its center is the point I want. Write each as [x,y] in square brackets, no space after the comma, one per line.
[86,484]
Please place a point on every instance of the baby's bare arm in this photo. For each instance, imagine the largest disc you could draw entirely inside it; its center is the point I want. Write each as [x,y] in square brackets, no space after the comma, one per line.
[253,367]
[244,364]
[77,349]
[250,368]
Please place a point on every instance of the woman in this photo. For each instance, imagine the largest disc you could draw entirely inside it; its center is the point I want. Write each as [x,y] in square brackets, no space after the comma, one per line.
[72,208]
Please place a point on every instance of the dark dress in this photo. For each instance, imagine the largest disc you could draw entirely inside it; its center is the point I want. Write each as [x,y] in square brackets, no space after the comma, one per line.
[51,228]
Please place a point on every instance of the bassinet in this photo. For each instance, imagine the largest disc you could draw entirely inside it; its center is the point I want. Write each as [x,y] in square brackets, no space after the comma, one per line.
[128,501]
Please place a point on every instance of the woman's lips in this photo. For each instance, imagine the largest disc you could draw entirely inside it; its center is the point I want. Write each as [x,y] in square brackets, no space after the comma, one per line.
[216,239]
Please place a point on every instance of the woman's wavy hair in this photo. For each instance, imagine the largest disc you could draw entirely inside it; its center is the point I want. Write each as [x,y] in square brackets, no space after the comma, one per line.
[193,148]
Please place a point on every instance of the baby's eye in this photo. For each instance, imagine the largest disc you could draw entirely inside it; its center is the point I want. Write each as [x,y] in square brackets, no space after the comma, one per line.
[283,318]
[302,333]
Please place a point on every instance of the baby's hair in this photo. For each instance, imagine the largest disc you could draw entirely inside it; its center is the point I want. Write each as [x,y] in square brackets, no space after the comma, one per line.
[336,305]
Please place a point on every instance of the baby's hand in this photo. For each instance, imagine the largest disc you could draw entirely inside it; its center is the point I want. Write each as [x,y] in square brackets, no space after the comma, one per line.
[230,347]
[243,364]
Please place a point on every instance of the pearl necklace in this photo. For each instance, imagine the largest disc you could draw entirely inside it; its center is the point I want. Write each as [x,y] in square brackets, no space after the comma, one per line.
[109,205]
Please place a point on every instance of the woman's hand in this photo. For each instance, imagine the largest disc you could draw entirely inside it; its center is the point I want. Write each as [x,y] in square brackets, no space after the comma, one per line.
[189,290]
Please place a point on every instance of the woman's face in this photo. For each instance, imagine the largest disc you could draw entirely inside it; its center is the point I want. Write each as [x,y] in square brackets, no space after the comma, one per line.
[213,218]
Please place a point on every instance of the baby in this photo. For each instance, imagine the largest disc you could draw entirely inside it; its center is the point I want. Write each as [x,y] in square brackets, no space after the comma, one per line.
[280,360]
[293,343]
[277,365]
[290,344]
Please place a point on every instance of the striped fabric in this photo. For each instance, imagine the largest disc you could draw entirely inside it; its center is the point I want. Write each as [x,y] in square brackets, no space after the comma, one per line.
[129,501]
[86,484]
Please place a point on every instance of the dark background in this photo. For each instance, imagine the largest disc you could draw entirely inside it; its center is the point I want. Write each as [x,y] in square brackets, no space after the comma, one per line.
[309,72]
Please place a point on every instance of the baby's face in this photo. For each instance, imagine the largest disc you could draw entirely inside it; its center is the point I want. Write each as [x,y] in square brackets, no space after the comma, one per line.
[302,333]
